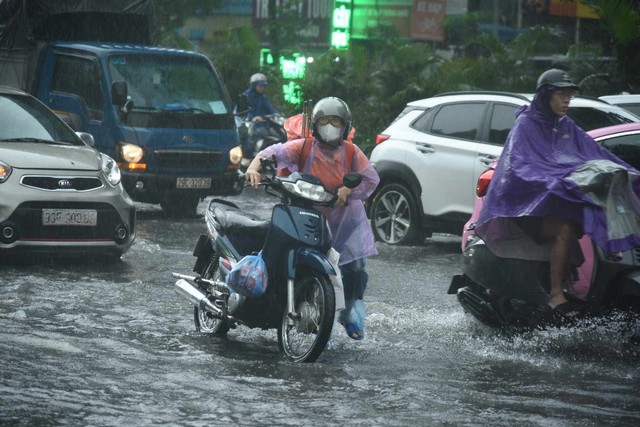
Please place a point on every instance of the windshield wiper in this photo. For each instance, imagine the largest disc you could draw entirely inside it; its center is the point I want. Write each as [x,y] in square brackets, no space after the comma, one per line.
[38,140]
[187,110]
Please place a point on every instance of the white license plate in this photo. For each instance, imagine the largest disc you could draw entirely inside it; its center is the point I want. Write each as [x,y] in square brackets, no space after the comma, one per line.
[82,217]
[193,183]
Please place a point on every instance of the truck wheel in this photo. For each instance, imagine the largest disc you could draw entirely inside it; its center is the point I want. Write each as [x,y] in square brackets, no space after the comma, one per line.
[180,206]
[394,216]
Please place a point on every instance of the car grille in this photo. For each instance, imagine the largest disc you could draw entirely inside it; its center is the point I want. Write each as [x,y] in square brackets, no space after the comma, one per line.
[186,159]
[28,218]
[61,183]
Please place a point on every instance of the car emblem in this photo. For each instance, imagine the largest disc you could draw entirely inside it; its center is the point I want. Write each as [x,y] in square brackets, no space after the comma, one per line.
[188,139]
[64,183]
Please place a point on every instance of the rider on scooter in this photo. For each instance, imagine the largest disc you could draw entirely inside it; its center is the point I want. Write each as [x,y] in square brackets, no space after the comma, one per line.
[553,183]
[259,106]
[352,237]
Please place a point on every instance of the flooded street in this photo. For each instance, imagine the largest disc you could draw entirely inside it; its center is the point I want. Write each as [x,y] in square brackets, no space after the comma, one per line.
[102,345]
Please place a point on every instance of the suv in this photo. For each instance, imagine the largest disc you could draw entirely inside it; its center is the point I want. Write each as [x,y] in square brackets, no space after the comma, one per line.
[431,156]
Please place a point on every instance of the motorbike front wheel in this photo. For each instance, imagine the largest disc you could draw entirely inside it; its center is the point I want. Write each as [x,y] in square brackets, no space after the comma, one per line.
[205,322]
[305,337]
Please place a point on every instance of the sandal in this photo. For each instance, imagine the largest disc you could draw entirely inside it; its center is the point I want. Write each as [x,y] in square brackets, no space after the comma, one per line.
[353,332]
[564,314]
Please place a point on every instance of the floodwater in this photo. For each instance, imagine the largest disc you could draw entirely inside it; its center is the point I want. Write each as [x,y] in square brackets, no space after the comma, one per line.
[90,344]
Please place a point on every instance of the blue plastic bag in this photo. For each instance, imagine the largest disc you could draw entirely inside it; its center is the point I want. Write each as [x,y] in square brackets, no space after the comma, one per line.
[249,276]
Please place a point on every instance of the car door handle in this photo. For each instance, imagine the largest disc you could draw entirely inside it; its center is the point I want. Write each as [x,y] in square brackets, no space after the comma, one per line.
[426,148]
[486,159]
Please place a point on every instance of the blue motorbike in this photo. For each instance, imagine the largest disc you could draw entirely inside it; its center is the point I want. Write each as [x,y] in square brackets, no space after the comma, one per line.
[299,300]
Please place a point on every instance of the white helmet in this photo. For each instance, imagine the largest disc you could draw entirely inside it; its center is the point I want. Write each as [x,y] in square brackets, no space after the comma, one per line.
[258,78]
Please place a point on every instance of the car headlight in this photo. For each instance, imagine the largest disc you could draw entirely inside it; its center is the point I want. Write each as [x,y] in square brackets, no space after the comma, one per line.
[314,192]
[131,153]
[5,171]
[235,155]
[110,169]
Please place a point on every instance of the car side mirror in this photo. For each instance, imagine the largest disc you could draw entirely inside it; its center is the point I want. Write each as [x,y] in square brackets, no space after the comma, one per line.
[352,179]
[119,93]
[87,138]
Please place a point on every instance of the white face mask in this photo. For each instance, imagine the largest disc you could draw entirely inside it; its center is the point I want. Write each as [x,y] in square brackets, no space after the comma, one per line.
[330,134]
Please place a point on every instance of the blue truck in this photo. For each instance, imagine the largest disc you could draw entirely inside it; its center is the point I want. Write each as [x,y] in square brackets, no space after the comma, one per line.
[163,114]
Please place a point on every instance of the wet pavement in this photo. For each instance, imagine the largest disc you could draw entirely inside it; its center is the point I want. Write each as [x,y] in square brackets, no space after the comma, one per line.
[84,343]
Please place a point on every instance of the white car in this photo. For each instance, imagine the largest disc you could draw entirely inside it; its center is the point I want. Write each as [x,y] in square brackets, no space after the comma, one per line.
[429,159]
[629,102]
[58,194]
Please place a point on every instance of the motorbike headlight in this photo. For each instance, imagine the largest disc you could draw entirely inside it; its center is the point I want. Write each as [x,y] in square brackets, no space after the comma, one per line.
[110,169]
[235,155]
[313,192]
[5,171]
[131,153]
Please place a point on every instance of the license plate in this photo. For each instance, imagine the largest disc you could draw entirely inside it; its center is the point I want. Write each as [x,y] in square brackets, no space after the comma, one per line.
[193,183]
[81,217]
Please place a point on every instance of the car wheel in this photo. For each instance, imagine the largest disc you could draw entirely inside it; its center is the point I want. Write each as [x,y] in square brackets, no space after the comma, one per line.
[394,216]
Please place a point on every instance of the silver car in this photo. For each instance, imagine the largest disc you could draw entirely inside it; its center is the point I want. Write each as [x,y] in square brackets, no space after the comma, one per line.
[58,194]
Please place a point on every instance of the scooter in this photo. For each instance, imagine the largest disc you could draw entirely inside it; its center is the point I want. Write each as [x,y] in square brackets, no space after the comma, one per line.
[260,137]
[502,292]
[299,300]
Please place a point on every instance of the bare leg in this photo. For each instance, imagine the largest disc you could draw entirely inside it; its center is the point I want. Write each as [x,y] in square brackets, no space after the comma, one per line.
[563,232]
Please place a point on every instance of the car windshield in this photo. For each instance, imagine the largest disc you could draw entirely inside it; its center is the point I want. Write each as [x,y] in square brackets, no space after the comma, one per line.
[24,119]
[169,83]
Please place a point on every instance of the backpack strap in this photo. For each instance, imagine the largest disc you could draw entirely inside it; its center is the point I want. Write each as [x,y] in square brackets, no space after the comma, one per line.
[349,153]
[306,149]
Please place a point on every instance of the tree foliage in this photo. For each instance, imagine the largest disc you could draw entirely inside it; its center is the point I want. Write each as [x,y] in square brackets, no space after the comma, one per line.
[379,76]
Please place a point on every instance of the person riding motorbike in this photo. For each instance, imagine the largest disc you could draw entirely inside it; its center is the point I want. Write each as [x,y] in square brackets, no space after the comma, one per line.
[553,183]
[331,123]
[259,106]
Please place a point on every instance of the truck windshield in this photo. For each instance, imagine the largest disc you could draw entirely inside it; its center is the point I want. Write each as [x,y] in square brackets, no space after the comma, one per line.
[169,83]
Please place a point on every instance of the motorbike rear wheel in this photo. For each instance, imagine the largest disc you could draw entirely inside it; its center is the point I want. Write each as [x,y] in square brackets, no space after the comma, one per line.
[305,338]
[205,322]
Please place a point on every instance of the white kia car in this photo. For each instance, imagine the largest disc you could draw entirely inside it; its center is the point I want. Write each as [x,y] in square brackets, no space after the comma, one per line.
[58,194]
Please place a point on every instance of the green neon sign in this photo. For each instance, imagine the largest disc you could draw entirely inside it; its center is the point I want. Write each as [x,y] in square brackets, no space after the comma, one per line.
[341,24]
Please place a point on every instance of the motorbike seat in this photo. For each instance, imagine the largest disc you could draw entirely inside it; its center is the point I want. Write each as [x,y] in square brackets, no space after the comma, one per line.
[232,220]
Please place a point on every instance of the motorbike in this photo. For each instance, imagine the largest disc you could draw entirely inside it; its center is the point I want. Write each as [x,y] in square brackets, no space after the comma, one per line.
[299,300]
[260,137]
[509,292]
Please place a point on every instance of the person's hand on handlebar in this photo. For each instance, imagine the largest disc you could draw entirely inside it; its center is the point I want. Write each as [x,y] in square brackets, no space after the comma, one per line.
[252,176]
[343,195]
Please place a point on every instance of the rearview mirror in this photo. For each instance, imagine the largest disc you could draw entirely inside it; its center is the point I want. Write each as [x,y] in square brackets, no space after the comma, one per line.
[119,93]
[352,180]
[242,105]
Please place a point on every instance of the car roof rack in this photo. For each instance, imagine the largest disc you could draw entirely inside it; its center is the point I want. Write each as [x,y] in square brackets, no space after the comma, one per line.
[483,92]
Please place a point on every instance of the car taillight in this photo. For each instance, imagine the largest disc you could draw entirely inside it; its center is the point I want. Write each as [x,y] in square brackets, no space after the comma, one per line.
[483,182]
[381,138]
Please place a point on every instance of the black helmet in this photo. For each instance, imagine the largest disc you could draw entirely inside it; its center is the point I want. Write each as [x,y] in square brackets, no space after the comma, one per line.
[557,78]
[331,106]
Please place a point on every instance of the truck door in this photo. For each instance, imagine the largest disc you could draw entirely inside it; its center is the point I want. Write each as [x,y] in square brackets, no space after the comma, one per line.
[77,94]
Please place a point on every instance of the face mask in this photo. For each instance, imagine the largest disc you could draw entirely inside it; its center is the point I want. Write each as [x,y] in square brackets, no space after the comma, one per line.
[330,135]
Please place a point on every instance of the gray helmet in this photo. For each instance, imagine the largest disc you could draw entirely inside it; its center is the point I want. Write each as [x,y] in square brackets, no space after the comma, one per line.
[556,78]
[331,106]
[258,78]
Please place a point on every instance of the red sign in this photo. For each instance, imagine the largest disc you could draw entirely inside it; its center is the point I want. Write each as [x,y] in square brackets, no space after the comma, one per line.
[427,19]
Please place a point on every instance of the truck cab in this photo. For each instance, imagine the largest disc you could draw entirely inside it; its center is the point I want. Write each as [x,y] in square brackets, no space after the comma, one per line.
[163,114]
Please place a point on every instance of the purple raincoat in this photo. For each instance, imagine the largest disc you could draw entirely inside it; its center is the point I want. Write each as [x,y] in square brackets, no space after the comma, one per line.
[352,235]
[551,166]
